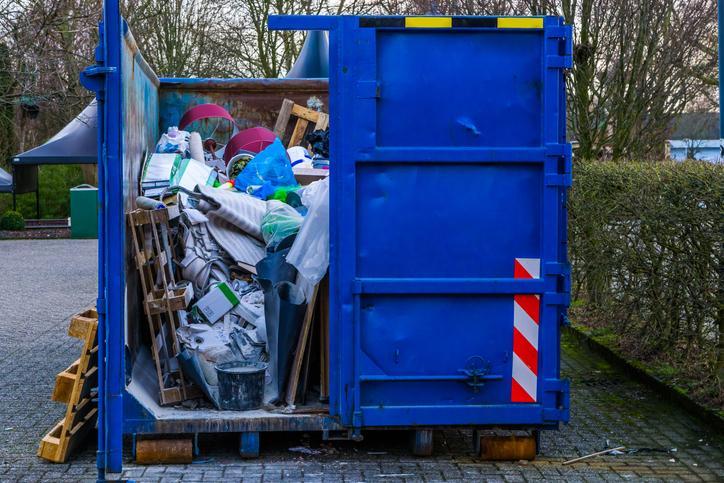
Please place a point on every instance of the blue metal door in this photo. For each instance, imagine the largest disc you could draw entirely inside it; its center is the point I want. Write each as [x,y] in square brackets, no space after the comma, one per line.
[449,169]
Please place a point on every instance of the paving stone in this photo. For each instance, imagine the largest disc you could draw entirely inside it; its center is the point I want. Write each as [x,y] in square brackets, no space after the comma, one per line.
[606,408]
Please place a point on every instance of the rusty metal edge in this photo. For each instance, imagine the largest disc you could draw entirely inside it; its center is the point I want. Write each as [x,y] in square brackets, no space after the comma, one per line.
[247,85]
[698,410]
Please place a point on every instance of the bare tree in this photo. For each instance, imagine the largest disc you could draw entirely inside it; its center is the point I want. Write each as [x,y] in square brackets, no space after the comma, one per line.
[637,64]
[632,74]
[49,43]
[179,38]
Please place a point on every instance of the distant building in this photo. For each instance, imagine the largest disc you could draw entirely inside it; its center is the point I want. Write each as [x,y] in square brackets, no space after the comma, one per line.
[701,149]
[695,135]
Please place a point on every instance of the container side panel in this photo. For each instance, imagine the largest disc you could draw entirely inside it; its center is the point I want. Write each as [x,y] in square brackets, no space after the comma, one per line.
[447,219]
[140,133]
[459,88]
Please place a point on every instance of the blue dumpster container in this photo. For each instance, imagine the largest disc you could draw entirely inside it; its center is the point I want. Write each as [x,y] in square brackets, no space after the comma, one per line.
[449,278]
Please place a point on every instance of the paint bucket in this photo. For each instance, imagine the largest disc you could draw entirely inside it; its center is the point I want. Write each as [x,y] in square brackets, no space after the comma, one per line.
[241,385]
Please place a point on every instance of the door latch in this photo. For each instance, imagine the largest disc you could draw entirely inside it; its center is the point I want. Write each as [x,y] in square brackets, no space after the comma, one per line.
[478,371]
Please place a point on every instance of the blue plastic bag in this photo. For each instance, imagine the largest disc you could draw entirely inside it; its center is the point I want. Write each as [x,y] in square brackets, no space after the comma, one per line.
[267,171]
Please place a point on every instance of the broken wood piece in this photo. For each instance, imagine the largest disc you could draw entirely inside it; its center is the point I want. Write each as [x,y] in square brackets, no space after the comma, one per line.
[295,371]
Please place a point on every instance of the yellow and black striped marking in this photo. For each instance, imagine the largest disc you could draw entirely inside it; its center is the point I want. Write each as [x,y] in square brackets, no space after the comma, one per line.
[430,22]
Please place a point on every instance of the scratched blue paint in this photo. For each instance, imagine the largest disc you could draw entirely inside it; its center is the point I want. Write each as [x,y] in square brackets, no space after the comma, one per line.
[450,161]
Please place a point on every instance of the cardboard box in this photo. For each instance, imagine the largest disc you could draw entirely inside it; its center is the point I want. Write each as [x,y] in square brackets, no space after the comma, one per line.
[215,304]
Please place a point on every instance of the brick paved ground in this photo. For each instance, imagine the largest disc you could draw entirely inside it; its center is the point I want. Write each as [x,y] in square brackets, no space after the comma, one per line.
[45,281]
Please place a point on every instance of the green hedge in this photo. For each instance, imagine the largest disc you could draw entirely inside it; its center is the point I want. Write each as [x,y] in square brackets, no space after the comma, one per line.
[55,183]
[646,254]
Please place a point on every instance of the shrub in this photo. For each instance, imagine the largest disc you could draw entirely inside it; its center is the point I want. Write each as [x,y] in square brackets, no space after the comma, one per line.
[55,183]
[12,220]
[646,254]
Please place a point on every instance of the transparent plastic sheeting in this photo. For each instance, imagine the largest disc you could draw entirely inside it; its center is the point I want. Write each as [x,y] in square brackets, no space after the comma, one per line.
[310,252]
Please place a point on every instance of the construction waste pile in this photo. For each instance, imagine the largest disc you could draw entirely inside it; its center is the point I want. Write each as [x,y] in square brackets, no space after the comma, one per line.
[231,250]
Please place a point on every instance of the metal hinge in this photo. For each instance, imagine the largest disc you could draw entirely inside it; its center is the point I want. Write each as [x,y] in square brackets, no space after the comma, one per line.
[563,59]
[562,270]
[557,298]
[93,77]
[556,268]
[565,152]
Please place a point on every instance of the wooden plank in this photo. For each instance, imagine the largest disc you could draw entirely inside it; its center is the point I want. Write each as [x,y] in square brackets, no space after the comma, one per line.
[170,395]
[50,444]
[306,361]
[306,113]
[65,381]
[301,346]
[322,122]
[81,326]
[305,176]
[59,443]
[298,134]
[157,300]
[147,217]
[78,433]
[283,119]
[324,339]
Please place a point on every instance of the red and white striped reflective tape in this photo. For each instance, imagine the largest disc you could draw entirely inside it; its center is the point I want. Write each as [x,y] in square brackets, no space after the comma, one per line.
[526,317]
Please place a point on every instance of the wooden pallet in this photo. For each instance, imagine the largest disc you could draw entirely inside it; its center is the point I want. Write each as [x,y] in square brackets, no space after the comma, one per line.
[75,387]
[304,116]
[162,300]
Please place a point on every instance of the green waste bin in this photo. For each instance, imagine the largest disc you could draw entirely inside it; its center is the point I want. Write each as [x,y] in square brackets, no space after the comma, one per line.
[84,211]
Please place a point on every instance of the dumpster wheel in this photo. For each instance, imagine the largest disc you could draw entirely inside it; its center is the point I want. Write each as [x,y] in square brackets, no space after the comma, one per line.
[422,442]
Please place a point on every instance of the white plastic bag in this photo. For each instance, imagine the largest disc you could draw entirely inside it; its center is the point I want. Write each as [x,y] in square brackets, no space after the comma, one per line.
[310,252]
[173,141]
